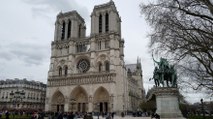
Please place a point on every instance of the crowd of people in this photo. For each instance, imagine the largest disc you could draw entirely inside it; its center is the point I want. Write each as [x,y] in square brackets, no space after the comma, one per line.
[66,115]
[54,115]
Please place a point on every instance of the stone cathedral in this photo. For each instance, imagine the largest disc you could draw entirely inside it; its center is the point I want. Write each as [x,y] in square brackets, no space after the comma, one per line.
[88,74]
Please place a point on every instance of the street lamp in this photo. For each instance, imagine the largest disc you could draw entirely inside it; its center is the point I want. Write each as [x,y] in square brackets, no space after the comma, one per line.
[202,106]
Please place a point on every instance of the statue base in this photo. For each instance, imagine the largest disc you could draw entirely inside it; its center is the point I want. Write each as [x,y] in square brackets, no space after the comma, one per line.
[167,103]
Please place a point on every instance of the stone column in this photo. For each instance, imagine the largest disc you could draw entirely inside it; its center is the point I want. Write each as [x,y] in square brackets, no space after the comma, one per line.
[90,104]
[66,105]
[66,30]
[56,30]
[103,22]
[59,27]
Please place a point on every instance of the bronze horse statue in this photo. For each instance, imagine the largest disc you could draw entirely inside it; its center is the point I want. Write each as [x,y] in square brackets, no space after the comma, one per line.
[164,72]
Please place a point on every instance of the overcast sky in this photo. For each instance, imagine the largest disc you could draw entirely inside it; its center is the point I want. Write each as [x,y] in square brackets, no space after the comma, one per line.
[27,29]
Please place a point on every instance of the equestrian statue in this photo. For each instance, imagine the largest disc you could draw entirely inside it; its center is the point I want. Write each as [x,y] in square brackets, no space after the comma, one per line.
[164,72]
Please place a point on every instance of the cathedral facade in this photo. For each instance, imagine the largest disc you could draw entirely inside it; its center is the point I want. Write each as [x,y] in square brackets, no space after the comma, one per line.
[88,74]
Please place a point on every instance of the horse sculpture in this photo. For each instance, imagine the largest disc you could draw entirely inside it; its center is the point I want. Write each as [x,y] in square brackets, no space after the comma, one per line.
[164,72]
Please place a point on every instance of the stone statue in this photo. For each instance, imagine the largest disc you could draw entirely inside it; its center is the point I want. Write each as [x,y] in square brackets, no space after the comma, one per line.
[164,72]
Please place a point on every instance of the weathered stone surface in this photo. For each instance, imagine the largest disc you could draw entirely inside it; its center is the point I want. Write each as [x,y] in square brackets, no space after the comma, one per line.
[167,103]
[89,73]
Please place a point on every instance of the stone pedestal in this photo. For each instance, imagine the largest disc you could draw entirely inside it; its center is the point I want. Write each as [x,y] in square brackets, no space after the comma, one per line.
[167,103]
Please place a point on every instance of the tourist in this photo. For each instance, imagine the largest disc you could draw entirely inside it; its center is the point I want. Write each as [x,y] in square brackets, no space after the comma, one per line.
[7,114]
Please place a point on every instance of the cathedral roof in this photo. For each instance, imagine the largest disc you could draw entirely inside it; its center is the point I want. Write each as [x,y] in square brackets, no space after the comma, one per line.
[70,13]
[105,5]
[132,67]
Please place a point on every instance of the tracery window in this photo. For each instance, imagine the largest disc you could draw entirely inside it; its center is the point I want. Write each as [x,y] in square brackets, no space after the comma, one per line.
[63,30]
[65,70]
[99,45]
[60,71]
[81,47]
[83,65]
[99,67]
[107,66]
[69,29]
[100,24]
[106,44]
[107,22]
[79,31]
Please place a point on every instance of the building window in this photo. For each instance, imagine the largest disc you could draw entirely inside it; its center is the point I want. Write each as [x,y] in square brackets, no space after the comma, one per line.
[100,24]
[106,44]
[60,71]
[63,31]
[83,65]
[99,45]
[69,29]
[81,47]
[79,30]
[65,70]
[3,95]
[107,66]
[99,67]
[107,22]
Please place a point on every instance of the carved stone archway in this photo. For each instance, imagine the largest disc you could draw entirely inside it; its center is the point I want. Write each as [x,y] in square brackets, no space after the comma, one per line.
[78,100]
[101,100]
[58,101]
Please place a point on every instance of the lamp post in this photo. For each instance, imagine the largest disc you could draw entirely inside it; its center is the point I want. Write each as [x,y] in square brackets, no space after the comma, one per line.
[202,106]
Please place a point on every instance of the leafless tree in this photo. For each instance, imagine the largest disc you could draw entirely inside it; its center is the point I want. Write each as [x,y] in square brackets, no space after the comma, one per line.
[183,31]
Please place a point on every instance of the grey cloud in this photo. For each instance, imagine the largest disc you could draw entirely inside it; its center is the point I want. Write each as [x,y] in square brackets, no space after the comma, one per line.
[29,53]
[6,55]
[45,7]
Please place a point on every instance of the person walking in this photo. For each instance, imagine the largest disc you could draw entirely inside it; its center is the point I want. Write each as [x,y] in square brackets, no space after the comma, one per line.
[7,115]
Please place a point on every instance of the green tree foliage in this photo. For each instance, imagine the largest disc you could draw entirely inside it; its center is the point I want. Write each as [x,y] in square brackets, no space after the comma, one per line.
[183,31]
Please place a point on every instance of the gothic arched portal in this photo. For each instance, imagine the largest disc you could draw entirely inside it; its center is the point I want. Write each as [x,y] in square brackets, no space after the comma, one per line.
[78,100]
[57,103]
[101,100]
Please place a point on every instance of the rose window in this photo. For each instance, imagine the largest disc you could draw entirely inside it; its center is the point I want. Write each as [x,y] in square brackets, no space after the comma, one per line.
[83,65]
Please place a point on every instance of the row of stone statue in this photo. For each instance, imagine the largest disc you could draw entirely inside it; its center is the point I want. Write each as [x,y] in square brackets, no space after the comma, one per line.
[164,72]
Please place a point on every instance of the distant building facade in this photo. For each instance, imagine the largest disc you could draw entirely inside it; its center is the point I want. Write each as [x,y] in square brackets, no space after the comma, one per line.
[88,74]
[22,94]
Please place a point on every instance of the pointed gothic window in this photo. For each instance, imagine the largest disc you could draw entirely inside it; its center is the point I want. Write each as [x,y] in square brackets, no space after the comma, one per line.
[99,67]
[106,44]
[99,45]
[65,70]
[60,71]
[77,48]
[107,22]
[100,24]
[79,31]
[107,66]
[80,48]
[69,29]
[63,31]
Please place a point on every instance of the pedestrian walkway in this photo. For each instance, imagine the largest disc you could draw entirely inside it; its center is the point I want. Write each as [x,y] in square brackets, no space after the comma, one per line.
[126,117]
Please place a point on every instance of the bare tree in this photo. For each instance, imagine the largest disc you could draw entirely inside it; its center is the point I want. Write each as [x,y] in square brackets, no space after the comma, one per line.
[183,30]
